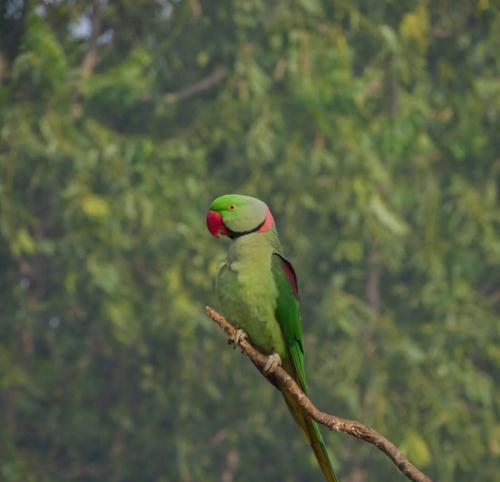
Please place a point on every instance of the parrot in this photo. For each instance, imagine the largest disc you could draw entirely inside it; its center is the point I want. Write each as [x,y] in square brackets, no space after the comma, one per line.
[257,290]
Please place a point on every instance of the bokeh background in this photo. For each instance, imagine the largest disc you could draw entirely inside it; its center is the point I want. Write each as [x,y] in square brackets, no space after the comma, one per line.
[371,128]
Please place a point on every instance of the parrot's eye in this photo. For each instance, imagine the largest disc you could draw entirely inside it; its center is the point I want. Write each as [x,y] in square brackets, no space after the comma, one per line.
[231,207]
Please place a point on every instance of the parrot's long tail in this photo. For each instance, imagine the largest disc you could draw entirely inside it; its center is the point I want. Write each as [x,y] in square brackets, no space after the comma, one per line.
[313,435]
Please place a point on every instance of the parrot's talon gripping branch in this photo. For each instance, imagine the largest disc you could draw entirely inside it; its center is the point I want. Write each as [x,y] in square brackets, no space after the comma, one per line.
[273,362]
[237,338]
[350,427]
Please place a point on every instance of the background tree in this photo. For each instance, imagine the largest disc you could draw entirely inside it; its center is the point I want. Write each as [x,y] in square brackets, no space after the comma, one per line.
[372,131]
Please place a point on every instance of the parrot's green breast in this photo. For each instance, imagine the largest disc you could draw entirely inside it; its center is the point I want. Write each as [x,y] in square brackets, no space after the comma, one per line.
[247,293]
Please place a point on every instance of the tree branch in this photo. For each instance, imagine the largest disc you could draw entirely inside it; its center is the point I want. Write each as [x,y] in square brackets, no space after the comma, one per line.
[218,75]
[90,57]
[212,79]
[350,427]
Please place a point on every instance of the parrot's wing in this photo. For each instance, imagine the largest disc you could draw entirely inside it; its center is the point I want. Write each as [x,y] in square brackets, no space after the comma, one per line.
[288,312]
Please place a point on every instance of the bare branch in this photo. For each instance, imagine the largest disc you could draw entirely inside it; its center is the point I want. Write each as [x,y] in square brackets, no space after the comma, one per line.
[90,57]
[350,427]
[218,75]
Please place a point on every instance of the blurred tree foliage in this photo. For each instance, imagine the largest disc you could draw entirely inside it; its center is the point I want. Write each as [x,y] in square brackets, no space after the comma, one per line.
[372,130]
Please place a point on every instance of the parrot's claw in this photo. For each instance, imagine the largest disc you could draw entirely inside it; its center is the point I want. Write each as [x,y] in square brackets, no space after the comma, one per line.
[237,338]
[273,361]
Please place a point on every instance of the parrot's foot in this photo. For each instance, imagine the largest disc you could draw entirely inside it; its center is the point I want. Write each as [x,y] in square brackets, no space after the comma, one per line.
[273,361]
[237,338]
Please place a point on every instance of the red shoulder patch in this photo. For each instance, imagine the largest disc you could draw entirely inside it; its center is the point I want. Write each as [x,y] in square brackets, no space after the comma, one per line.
[291,276]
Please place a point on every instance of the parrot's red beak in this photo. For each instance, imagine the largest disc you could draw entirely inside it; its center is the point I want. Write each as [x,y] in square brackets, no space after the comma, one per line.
[215,224]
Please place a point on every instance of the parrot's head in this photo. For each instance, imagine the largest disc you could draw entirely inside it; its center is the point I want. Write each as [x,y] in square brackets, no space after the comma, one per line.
[234,215]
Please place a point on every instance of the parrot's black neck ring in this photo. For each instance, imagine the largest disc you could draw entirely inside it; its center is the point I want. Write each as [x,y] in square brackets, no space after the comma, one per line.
[238,234]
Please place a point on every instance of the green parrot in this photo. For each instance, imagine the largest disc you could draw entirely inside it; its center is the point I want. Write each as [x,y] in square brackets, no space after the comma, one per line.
[257,290]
